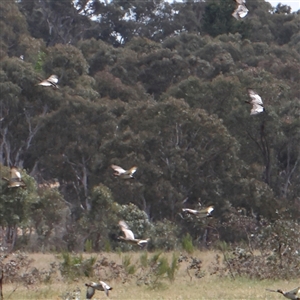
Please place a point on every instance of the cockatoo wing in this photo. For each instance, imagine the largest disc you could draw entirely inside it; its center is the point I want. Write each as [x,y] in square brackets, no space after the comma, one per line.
[90,292]
[190,211]
[118,169]
[123,224]
[45,83]
[15,174]
[293,293]
[255,98]
[127,232]
[235,14]
[142,243]
[210,210]
[13,184]
[105,287]
[53,79]
[132,170]
[256,109]
[242,11]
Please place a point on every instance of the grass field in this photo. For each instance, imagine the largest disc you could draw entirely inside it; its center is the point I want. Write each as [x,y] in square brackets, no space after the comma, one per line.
[183,287]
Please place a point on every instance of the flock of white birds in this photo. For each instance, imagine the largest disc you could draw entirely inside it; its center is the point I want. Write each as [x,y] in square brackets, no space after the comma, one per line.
[15,180]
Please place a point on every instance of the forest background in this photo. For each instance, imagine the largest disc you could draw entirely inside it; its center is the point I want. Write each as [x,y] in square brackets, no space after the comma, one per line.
[161,86]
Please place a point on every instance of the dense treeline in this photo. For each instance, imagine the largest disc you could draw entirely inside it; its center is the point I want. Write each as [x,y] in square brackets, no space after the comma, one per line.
[158,85]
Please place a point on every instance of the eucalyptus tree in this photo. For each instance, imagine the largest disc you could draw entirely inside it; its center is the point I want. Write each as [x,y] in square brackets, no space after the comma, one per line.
[55,22]
[21,114]
[96,222]
[288,154]
[15,207]
[179,152]
[13,27]
[48,220]
[74,143]
[98,54]
[218,19]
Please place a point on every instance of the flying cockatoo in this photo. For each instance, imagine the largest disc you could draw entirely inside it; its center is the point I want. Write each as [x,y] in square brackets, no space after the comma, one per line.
[241,10]
[51,81]
[257,104]
[124,174]
[293,294]
[93,286]
[202,213]
[15,179]
[129,236]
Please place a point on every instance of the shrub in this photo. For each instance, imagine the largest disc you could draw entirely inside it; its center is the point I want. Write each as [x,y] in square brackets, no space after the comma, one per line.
[155,269]
[164,235]
[126,261]
[174,266]
[76,266]
[88,245]
[278,257]
[187,243]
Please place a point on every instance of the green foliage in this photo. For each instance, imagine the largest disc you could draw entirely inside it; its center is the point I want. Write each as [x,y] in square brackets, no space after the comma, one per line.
[47,215]
[223,246]
[162,269]
[40,61]
[218,19]
[187,243]
[74,266]
[107,246]
[136,219]
[13,25]
[144,259]
[16,204]
[268,264]
[101,216]
[66,60]
[126,262]
[154,259]
[164,235]
[174,266]
[155,269]
[88,245]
